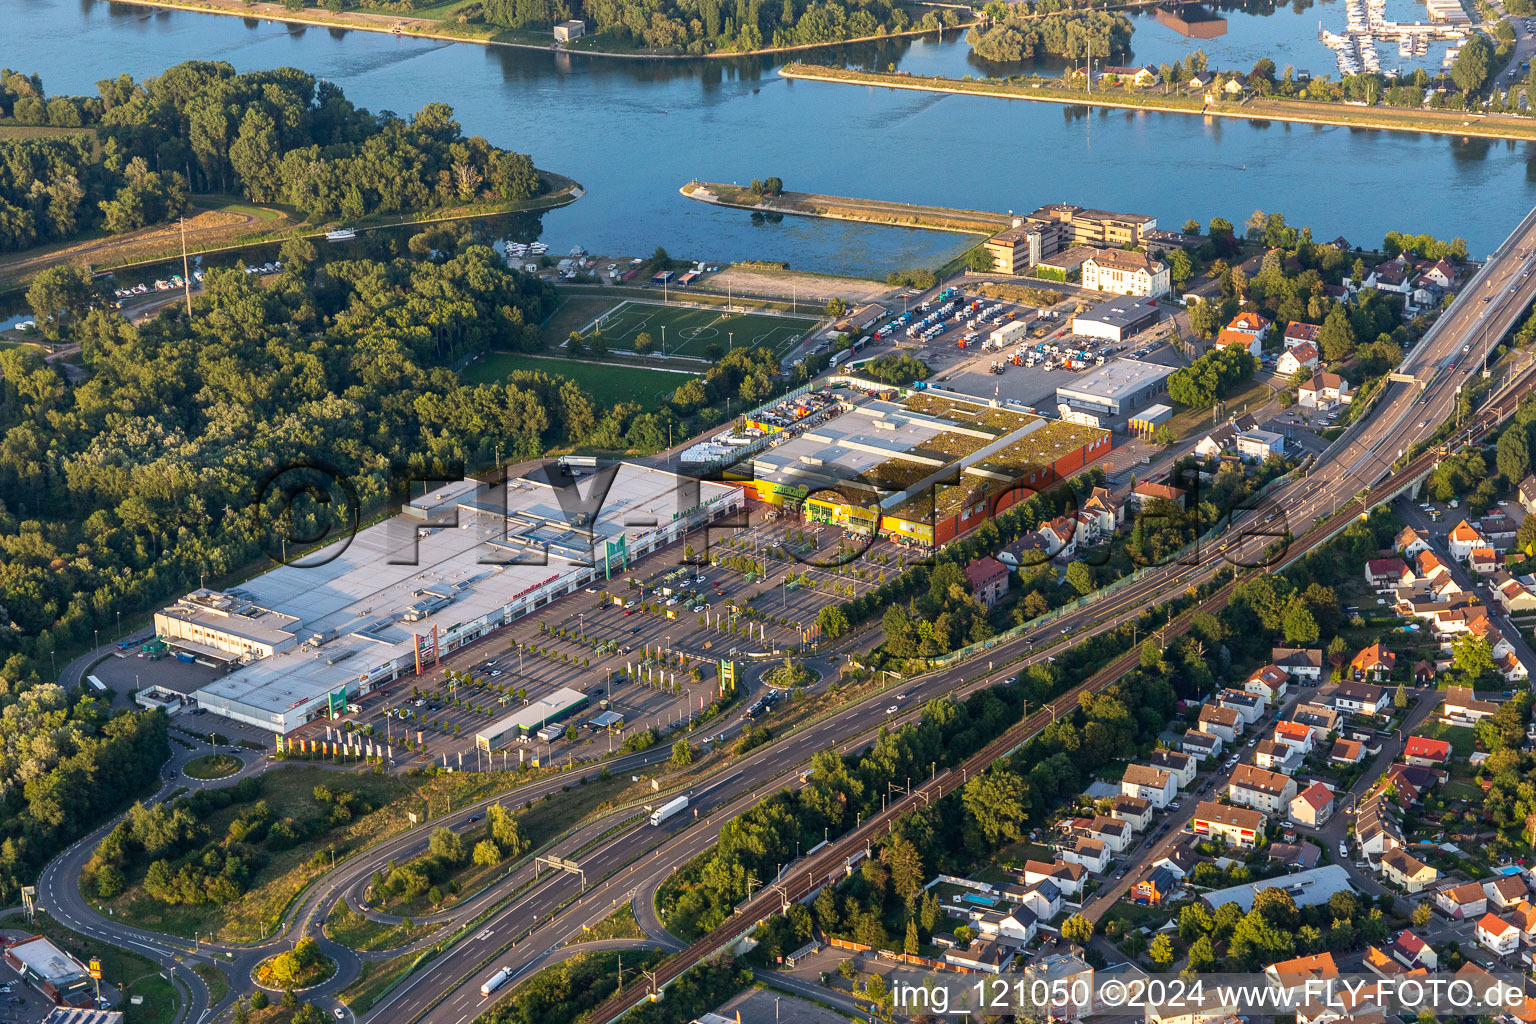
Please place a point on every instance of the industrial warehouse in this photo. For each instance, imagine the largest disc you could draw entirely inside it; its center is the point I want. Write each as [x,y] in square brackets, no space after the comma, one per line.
[456,564]
[920,466]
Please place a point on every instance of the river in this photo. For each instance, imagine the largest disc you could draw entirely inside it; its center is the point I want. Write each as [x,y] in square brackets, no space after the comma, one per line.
[633,131]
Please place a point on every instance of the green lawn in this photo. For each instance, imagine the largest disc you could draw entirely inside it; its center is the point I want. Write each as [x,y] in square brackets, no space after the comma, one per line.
[353,930]
[212,766]
[218,984]
[606,382]
[687,331]
[1462,738]
[573,314]
[377,978]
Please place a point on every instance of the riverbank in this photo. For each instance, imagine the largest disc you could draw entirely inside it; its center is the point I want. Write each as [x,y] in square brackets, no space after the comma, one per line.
[1048,90]
[162,242]
[866,211]
[485,35]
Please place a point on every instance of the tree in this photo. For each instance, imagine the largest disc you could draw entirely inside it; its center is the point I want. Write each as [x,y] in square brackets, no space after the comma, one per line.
[682,753]
[836,307]
[446,845]
[773,186]
[910,944]
[486,853]
[1470,70]
[1161,952]
[832,620]
[998,802]
[60,296]
[1080,576]
[1180,267]
[1513,456]
[1202,955]
[644,344]
[1300,625]
[1472,656]
[1422,915]
[1337,336]
[1400,696]
[1077,930]
[1204,318]
[981,260]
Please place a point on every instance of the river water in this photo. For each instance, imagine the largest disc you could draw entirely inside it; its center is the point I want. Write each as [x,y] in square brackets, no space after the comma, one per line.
[633,131]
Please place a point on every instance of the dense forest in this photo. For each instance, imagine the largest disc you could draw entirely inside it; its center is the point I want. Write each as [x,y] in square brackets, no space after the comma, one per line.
[702,26]
[1020,33]
[65,765]
[279,136]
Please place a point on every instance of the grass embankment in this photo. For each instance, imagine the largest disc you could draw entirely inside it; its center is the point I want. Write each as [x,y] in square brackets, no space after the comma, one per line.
[1052,90]
[869,211]
[620,924]
[608,383]
[280,875]
[138,975]
[377,978]
[212,766]
[214,978]
[355,931]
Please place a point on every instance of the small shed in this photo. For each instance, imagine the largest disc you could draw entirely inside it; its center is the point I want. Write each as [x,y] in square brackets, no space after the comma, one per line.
[568,30]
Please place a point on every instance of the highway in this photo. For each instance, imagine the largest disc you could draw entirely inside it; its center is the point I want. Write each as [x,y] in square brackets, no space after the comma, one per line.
[628,861]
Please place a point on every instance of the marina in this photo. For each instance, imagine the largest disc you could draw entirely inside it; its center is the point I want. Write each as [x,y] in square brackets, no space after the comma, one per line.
[1366,25]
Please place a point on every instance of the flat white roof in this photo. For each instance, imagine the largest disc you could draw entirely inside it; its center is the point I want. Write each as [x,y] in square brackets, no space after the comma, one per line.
[1307,888]
[367,604]
[1116,379]
[46,960]
[846,446]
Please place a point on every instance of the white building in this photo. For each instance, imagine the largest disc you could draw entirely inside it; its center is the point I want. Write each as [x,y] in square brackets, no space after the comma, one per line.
[1125,273]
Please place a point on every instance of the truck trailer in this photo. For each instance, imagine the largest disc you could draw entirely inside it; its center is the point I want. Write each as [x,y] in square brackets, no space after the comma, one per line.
[495,981]
[668,809]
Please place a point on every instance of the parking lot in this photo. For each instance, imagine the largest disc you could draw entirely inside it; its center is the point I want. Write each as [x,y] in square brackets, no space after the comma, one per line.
[635,642]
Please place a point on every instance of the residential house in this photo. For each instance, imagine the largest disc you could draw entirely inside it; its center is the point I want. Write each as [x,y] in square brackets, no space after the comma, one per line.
[1251,324]
[1413,952]
[1155,887]
[1499,528]
[1347,752]
[1145,492]
[1200,81]
[1220,721]
[1182,765]
[1294,856]
[1312,806]
[1156,785]
[1298,662]
[1384,574]
[1380,963]
[1410,542]
[1511,668]
[1512,595]
[1278,757]
[1091,853]
[1144,77]
[1293,734]
[988,578]
[1112,832]
[1527,492]
[1012,927]
[1222,438]
[1066,876]
[1435,576]
[1301,356]
[1060,536]
[1108,517]
[1239,826]
[1250,343]
[1318,718]
[1290,975]
[1249,707]
[1377,832]
[1463,708]
[1498,935]
[1375,662]
[1523,916]
[1442,274]
[1463,538]
[1407,871]
[1411,783]
[1030,550]
[1254,787]
[1134,811]
[1268,683]
[1365,698]
[1181,858]
[1423,672]
[982,957]
[1201,745]
[1507,891]
[1323,392]
[1426,752]
[1484,561]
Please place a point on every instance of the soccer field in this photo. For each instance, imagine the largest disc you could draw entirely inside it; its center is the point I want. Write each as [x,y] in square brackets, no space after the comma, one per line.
[689,331]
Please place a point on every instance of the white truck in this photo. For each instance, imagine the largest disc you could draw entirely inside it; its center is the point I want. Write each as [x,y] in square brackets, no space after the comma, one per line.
[668,809]
[495,981]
